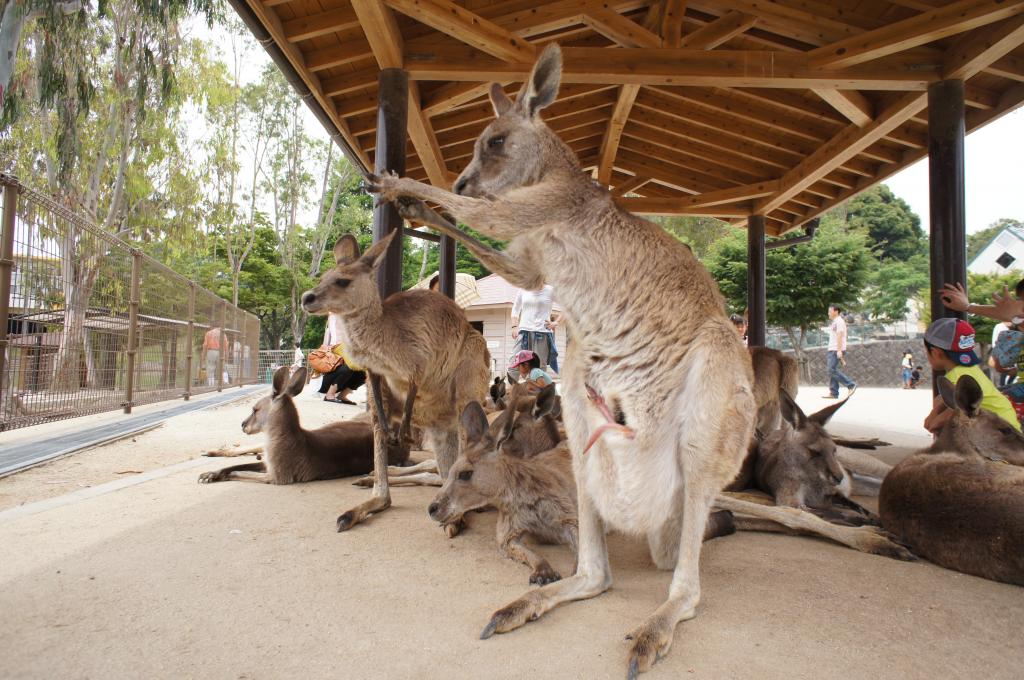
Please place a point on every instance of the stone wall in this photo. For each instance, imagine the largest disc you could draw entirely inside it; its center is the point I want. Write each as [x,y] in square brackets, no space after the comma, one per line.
[869,364]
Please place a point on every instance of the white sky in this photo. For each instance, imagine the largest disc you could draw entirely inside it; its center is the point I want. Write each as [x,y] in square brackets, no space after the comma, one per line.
[994,175]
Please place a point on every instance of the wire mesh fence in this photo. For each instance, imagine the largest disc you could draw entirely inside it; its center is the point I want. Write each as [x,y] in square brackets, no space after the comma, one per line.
[93,324]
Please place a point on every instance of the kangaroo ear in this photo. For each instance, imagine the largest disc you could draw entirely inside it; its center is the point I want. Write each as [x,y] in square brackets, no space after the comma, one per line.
[374,255]
[968,395]
[499,100]
[948,393]
[791,413]
[547,402]
[541,88]
[280,378]
[297,382]
[504,425]
[346,249]
[825,414]
[473,422]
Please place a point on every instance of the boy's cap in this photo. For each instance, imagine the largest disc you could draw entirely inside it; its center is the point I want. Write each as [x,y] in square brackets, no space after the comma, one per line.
[956,336]
[521,357]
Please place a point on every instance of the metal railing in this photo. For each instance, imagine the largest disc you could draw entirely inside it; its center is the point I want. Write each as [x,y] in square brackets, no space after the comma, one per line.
[93,324]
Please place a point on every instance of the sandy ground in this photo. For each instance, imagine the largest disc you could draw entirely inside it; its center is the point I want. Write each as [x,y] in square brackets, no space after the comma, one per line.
[171,579]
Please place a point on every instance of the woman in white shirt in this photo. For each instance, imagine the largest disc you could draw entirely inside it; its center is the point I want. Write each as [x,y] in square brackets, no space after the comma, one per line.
[532,326]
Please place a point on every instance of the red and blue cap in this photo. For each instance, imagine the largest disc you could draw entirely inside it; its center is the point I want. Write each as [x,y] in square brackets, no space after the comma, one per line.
[956,337]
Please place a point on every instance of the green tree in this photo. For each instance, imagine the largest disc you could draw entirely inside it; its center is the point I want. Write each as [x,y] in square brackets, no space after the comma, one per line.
[700,233]
[977,241]
[801,280]
[893,229]
[892,285]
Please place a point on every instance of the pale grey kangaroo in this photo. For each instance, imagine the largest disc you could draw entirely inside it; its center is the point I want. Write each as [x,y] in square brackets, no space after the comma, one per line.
[656,377]
[292,454]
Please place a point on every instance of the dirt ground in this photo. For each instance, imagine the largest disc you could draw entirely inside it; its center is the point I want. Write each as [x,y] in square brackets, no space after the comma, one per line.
[168,578]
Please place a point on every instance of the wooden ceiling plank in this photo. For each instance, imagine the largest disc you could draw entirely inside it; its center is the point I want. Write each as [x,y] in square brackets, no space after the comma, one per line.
[979,48]
[684,158]
[802,25]
[307,27]
[468,27]
[667,173]
[1010,66]
[720,31]
[682,144]
[685,67]
[620,114]
[353,49]
[671,206]
[918,30]
[629,185]
[852,104]
[351,82]
[619,29]
[841,148]
[451,95]
[672,15]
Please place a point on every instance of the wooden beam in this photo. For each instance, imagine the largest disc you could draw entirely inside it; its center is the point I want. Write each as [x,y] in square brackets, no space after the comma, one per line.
[793,22]
[381,32]
[424,140]
[918,30]
[619,29]
[685,67]
[628,185]
[671,206]
[852,104]
[470,28]
[323,23]
[841,148]
[620,114]
[451,95]
[719,31]
[979,48]
[672,24]
[355,49]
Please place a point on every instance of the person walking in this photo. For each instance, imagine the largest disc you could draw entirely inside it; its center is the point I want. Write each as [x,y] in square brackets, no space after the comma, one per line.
[835,354]
[907,368]
[214,344]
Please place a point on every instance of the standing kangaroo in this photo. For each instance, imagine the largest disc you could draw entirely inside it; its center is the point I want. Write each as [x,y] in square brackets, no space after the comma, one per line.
[419,351]
[656,378]
[960,502]
[292,454]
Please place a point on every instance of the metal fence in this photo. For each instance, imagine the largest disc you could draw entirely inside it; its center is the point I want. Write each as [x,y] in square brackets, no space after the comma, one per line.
[272,359]
[93,324]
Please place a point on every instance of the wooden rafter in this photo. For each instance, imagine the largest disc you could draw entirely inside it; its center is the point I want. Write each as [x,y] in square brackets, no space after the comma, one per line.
[624,104]
[852,104]
[722,30]
[918,30]
[323,23]
[979,48]
[627,185]
[619,29]
[720,68]
[671,206]
[464,25]
[672,23]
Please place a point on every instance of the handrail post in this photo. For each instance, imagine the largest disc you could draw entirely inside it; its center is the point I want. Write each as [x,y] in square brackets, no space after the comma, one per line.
[133,329]
[223,345]
[191,338]
[6,270]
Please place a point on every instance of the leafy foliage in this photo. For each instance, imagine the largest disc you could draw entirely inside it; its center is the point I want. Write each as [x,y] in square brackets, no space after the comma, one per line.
[893,229]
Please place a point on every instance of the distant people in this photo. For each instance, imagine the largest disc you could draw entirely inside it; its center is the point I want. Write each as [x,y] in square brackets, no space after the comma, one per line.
[836,353]
[553,324]
[949,344]
[915,377]
[298,359]
[740,324]
[527,363]
[215,347]
[907,368]
[1007,358]
[1002,377]
[346,377]
[531,320]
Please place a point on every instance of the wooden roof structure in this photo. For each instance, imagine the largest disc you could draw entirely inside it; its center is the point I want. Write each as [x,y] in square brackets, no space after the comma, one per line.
[729,108]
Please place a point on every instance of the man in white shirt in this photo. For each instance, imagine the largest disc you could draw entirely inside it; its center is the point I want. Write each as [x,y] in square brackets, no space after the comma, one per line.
[531,322]
[834,355]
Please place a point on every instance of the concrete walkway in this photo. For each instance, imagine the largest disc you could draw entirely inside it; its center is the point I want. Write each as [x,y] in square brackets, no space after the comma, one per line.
[167,578]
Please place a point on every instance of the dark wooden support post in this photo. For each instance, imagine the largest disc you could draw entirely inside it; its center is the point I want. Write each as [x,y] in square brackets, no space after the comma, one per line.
[946,190]
[190,339]
[392,113]
[133,331]
[756,297]
[6,270]
[447,266]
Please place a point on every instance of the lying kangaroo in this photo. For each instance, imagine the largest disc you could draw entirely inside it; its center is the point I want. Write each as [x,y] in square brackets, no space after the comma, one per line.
[656,378]
[533,490]
[960,502]
[419,351]
[292,454]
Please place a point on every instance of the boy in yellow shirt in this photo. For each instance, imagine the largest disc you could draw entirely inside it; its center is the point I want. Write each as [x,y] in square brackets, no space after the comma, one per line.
[949,344]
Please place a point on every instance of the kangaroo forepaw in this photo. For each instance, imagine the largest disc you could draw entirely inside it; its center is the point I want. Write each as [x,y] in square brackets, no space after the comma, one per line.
[523,610]
[385,185]
[544,575]
[209,477]
[412,209]
[368,480]
[453,529]
[651,642]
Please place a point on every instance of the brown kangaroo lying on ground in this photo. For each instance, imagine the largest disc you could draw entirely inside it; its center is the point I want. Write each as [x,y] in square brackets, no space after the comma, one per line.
[292,454]
[960,502]
[514,465]
[418,350]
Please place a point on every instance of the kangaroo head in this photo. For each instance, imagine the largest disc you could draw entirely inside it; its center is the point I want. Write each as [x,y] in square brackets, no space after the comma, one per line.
[350,285]
[498,391]
[975,430]
[475,478]
[517,149]
[810,435]
[282,386]
[529,432]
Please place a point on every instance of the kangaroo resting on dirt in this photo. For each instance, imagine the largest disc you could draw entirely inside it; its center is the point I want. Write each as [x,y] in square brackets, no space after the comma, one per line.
[420,354]
[656,370]
[292,454]
[960,502]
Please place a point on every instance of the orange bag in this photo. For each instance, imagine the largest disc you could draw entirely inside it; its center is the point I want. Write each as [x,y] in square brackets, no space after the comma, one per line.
[323,361]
